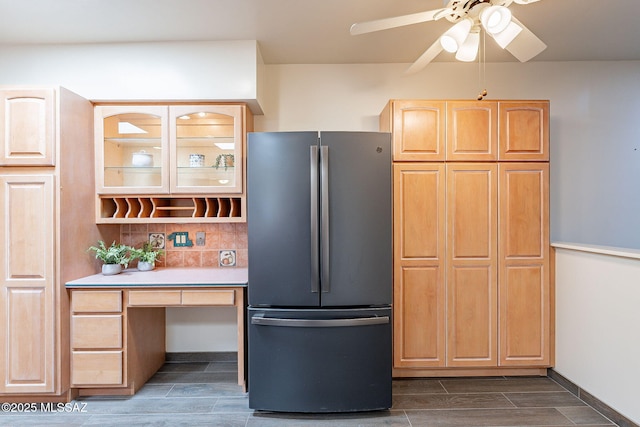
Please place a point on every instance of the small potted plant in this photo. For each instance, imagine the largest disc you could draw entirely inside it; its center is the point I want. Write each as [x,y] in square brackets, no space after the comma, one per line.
[224,160]
[146,256]
[112,257]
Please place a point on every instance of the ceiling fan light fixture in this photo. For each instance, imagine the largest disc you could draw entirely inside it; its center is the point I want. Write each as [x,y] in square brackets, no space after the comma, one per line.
[469,49]
[455,36]
[506,36]
[495,19]
[468,18]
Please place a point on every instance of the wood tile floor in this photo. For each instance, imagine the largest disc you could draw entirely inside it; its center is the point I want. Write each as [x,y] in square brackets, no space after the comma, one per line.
[205,394]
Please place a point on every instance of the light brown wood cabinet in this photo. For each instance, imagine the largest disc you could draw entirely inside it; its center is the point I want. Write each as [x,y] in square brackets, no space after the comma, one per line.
[417,127]
[524,308]
[472,131]
[27,302]
[97,338]
[471,246]
[118,335]
[171,163]
[419,234]
[471,263]
[524,131]
[113,350]
[428,130]
[44,168]
[28,127]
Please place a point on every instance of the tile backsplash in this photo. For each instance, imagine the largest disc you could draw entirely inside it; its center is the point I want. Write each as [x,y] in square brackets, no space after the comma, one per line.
[218,238]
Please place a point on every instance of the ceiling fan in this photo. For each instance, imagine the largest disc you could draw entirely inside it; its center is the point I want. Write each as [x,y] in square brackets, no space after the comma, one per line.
[463,38]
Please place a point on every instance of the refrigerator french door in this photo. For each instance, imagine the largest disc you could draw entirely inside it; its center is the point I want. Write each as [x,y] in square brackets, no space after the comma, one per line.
[320,271]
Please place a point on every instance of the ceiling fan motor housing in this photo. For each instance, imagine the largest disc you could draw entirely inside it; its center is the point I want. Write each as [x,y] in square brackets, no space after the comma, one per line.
[470,8]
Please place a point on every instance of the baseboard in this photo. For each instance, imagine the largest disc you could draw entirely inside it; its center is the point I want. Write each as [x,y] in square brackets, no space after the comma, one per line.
[202,356]
[591,400]
[467,372]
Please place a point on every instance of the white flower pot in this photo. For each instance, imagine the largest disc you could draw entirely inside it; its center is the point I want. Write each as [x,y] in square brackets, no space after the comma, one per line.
[111,269]
[145,266]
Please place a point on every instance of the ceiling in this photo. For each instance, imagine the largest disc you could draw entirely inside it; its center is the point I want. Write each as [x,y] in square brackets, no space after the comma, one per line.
[317,31]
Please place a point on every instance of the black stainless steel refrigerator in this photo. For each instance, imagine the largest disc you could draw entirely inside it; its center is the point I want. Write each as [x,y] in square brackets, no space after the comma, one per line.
[320,271]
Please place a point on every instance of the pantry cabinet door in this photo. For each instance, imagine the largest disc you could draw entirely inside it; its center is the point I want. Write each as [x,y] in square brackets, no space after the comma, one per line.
[472,131]
[27,317]
[27,127]
[524,279]
[418,129]
[524,131]
[472,209]
[419,328]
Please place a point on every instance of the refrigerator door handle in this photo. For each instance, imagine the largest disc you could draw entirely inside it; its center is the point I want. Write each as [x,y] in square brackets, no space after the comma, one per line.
[259,319]
[324,218]
[315,258]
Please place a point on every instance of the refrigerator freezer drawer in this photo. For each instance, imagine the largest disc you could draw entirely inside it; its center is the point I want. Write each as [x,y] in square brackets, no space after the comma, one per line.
[319,360]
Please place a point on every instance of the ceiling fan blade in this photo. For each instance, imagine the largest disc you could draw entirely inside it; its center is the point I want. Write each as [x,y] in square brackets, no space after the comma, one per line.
[526,45]
[426,57]
[398,21]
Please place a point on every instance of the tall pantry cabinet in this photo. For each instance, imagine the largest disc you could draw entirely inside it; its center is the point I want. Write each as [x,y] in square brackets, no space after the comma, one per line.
[46,185]
[472,280]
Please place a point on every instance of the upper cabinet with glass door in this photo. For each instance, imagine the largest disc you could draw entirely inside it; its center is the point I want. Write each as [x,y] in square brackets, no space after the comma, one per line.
[132,149]
[206,148]
[160,149]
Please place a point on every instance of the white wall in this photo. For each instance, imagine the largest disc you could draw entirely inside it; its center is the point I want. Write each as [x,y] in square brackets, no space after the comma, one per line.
[206,70]
[598,319]
[196,329]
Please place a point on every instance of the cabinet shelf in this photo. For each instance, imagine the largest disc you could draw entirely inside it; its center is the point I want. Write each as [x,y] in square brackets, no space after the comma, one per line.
[182,169]
[145,209]
[200,169]
[129,169]
[208,143]
[135,141]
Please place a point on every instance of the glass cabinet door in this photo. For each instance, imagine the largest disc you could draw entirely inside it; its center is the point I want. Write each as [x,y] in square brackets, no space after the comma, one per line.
[206,149]
[131,149]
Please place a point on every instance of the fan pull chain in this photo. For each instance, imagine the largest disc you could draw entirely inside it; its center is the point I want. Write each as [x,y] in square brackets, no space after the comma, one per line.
[482,64]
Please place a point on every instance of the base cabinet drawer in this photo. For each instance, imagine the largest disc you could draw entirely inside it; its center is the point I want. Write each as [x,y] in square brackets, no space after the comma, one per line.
[151,298]
[96,301]
[96,368]
[96,331]
[202,297]
[222,297]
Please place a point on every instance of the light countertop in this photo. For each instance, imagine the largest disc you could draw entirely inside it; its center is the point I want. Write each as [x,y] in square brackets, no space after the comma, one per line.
[166,277]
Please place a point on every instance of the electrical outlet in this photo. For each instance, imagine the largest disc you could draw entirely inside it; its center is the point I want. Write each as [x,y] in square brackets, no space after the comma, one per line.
[180,239]
[200,238]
